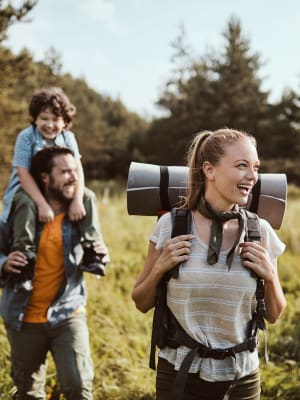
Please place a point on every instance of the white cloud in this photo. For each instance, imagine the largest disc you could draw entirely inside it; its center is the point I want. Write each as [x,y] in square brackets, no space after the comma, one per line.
[101,10]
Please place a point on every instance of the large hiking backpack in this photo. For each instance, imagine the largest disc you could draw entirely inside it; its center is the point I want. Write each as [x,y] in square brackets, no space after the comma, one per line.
[166,331]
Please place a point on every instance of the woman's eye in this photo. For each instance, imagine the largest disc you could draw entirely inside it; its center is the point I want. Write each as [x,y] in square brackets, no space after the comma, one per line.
[242,165]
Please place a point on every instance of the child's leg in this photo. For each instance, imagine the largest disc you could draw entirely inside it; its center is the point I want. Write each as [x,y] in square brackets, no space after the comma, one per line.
[24,232]
[90,231]
[89,226]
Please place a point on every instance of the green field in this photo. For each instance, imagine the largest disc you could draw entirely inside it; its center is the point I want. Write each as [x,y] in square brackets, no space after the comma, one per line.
[120,335]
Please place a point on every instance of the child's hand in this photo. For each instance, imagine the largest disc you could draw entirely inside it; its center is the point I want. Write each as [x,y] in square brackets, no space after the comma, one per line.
[46,213]
[76,210]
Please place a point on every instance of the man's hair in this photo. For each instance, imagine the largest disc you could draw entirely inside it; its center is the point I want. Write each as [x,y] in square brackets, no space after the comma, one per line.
[43,161]
[56,100]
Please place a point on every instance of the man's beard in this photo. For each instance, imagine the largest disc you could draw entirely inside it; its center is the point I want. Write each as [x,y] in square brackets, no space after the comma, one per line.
[58,195]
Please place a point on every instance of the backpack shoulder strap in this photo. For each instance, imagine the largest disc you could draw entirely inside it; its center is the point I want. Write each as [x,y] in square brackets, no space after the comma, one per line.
[181,225]
[181,221]
[253,232]
[258,320]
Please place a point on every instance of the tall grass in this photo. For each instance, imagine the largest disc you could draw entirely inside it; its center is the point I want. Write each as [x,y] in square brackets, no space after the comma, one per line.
[120,335]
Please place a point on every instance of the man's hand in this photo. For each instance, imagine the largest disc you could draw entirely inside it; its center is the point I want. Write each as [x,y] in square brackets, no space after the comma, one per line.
[101,249]
[16,260]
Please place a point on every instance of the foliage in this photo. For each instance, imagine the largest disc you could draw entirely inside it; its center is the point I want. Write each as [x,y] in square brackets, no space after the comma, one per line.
[209,91]
[223,88]
[10,15]
[107,133]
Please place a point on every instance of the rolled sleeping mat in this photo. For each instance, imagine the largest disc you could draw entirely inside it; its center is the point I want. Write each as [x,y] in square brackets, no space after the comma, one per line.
[154,189]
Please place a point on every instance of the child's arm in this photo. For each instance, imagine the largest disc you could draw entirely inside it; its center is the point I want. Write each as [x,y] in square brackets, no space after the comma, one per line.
[29,185]
[76,208]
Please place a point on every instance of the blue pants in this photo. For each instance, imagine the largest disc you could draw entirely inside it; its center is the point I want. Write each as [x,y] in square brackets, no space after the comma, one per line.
[68,343]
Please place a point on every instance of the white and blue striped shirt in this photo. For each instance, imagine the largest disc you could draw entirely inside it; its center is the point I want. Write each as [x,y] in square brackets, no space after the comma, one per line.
[213,304]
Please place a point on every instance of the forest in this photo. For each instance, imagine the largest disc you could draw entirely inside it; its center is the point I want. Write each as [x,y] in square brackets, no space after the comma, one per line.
[208,91]
[220,89]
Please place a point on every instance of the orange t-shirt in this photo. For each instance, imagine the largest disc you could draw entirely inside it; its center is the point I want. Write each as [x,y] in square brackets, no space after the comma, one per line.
[48,271]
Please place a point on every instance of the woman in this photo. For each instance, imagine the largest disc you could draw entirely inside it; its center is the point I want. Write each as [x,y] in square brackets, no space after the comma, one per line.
[213,298]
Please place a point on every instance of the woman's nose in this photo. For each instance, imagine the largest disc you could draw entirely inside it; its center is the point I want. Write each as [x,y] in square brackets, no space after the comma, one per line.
[252,173]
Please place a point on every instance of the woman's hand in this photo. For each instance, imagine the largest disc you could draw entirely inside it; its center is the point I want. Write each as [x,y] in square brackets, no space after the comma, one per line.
[175,251]
[256,258]
[16,260]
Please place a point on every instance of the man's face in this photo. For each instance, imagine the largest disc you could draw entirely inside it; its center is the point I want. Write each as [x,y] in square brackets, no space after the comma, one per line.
[61,183]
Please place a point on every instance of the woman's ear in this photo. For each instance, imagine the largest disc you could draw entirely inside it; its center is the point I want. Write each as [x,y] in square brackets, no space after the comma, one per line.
[208,170]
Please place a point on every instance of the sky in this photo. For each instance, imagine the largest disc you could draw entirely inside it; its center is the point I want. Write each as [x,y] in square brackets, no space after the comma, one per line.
[122,48]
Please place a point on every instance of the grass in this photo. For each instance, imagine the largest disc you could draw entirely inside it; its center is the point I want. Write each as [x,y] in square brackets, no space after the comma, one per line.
[120,335]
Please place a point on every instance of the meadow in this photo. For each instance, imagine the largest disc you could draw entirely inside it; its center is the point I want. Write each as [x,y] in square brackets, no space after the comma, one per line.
[120,335]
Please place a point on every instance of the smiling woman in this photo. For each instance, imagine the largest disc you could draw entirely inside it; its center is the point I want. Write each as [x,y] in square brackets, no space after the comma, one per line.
[214,298]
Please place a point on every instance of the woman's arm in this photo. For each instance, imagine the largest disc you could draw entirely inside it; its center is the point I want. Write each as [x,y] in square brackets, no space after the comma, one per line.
[274,297]
[257,258]
[157,264]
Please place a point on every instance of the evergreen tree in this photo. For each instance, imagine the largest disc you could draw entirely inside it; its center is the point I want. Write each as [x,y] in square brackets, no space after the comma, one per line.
[211,92]
[10,14]
[241,102]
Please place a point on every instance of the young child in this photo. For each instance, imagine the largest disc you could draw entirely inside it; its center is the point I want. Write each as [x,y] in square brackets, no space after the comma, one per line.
[51,115]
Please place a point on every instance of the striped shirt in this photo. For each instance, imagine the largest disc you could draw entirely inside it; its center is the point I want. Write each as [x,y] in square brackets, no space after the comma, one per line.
[213,304]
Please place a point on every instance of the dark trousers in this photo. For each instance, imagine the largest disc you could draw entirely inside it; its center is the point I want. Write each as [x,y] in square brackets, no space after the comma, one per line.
[68,343]
[247,388]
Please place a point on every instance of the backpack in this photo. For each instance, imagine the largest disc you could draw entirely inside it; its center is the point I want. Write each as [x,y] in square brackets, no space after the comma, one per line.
[166,331]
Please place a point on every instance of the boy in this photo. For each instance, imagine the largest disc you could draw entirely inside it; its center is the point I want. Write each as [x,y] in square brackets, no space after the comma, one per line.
[51,115]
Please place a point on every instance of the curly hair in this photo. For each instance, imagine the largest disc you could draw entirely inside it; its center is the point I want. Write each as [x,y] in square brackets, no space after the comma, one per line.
[56,100]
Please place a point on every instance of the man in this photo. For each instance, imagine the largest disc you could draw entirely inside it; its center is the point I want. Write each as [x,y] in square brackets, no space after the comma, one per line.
[52,316]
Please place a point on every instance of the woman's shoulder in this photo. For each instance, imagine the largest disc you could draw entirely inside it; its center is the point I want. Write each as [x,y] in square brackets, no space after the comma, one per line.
[162,229]
[270,238]
[265,226]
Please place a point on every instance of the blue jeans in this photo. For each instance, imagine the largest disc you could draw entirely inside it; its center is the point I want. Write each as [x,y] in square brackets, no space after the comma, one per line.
[68,343]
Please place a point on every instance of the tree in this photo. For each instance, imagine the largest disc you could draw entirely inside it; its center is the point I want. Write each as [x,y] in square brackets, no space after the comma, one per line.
[241,102]
[10,15]
[284,118]
[210,92]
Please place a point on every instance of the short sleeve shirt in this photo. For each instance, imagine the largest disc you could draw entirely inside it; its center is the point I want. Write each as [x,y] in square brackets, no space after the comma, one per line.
[28,143]
[213,304]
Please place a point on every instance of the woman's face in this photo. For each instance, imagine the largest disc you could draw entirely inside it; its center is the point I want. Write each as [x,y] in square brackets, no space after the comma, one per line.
[232,179]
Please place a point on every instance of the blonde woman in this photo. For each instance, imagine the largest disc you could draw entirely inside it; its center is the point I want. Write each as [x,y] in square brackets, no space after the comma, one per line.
[213,298]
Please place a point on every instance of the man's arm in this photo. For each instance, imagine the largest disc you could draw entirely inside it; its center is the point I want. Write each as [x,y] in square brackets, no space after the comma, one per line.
[4,249]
